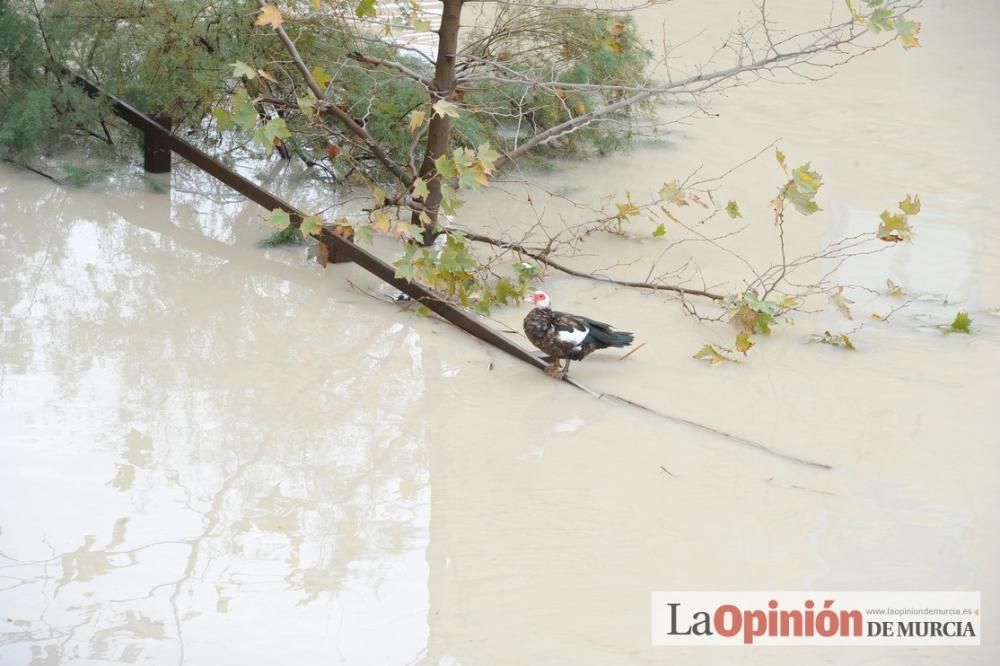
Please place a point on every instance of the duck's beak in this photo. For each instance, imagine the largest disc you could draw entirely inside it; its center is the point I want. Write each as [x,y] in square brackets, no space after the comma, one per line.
[529,299]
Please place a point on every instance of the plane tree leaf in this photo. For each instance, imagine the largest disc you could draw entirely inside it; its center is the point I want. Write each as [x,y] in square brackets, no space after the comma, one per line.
[269,15]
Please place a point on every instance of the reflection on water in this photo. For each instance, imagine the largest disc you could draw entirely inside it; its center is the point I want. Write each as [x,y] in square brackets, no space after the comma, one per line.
[167,400]
[214,453]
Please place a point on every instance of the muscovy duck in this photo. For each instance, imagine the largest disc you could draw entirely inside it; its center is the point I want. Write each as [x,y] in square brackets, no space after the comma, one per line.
[566,336]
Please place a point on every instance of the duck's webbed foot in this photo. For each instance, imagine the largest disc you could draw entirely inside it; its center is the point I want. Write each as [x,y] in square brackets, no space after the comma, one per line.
[555,371]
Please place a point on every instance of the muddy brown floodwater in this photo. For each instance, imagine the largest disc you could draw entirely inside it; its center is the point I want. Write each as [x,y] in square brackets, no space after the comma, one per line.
[214,453]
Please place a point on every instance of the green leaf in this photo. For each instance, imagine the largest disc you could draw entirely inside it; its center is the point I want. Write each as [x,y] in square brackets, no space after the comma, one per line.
[312,224]
[365,8]
[419,24]
[961,324]
[807,180]
[671,193]
[780,156]
[307,105]
[804,202]
[244,112]
[276,129]
[526,271]
[733,209]
[241,69]
[321,77]
[907,31]
[450,201]
[472,178]
[750,321]
[279,219]
[410,231]
[894,289]
[881,19]
[420,188]
[364,234]
[405,269]
[271,133]
[224,119]
[443,108]
[659,231]
[446,167]
[506,292]
[801,190]
[487,156]
[713,355]
[455,257]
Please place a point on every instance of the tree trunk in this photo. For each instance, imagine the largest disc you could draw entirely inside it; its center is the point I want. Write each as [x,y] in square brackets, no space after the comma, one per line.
[439,132]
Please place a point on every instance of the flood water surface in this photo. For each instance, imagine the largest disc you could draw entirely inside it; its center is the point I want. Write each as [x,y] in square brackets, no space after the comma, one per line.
[218,453]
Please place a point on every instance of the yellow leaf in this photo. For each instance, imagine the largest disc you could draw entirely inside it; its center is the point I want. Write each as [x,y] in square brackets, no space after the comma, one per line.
[910,205]
[894,228]
[322,78]
[417,119]
[402,229]
[316,5]
[265,75]
[445,108]
[269,15]
[743,343]
[382,222]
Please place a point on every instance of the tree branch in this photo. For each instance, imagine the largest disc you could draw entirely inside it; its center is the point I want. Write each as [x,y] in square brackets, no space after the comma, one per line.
[399,67]
[338,112]
[542,257]
[693,85]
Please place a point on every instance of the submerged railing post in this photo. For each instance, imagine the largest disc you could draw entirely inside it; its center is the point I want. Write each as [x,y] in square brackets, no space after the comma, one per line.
[156,154]
[330,251]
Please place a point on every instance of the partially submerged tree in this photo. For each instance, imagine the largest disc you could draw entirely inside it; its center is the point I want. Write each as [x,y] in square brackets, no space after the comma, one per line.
[422,106]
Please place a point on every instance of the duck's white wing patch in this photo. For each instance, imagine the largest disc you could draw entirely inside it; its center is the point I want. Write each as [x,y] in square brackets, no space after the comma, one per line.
[573,337]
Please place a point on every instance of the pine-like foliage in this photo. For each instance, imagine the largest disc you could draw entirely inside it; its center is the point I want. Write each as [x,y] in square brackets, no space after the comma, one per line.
[169,56]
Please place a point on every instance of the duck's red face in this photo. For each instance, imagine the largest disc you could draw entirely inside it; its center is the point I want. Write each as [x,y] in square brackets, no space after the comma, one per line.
[538,298]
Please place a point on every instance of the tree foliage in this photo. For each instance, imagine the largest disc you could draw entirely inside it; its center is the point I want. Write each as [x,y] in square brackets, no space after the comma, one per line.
[423,119]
